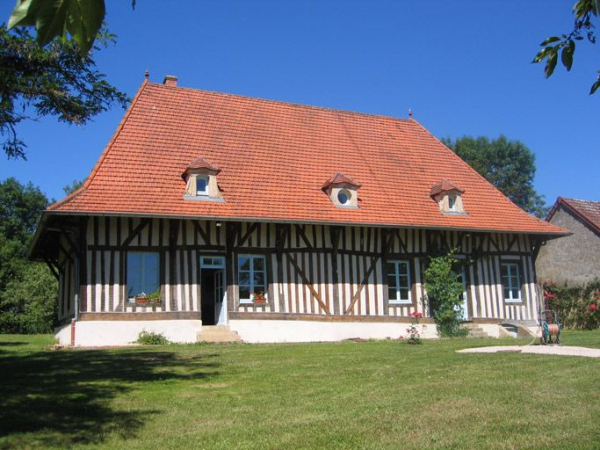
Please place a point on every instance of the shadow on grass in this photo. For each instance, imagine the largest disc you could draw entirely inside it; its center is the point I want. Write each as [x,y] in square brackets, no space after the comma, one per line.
[62,398]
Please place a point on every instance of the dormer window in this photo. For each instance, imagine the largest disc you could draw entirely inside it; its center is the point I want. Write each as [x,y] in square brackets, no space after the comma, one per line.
[449,198]
[342,191]
[452,203]
[201,185]
[201,181]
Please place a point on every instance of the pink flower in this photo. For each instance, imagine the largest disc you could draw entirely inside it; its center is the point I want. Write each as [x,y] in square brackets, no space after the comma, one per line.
[593,307]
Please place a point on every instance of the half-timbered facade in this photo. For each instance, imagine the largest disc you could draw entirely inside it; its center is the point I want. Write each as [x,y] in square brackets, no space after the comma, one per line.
[194,202]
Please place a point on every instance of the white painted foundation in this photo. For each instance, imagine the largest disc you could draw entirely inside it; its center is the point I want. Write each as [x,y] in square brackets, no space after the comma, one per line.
[275,331]
[112,333]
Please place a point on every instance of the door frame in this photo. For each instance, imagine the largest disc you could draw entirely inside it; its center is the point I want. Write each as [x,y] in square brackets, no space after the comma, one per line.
[207,262]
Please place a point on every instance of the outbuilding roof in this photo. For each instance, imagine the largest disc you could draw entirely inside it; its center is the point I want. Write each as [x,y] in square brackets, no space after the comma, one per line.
[273,158]
[586,210]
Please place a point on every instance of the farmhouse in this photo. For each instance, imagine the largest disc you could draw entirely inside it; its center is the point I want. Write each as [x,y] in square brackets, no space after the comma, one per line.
[574,259]
[280,222]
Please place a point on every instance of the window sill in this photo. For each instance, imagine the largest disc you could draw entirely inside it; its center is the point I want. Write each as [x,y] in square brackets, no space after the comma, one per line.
[400,303]
[251,303]
[204,198]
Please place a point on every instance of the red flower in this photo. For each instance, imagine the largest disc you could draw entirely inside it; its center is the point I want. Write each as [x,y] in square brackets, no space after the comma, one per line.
[593,307]
[418,315]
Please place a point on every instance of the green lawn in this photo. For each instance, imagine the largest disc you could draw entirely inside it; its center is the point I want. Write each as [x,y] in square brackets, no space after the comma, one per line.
[376,395]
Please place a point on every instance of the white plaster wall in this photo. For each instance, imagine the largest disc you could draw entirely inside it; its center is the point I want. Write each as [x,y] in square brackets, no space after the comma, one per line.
[272,331]
[111,333]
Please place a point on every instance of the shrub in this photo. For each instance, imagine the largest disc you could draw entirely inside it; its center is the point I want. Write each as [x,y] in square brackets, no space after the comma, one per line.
[578,306]
[443,293]
[150,338]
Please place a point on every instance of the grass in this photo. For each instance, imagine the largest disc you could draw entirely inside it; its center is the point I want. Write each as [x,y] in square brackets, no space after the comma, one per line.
[371,395]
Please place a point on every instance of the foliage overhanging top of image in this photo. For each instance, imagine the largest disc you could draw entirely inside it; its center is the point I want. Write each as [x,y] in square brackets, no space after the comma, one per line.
[81,19]
[584,11]
[52,80]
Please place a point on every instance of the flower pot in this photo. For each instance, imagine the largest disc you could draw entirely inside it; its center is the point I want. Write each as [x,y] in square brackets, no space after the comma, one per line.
[142,300]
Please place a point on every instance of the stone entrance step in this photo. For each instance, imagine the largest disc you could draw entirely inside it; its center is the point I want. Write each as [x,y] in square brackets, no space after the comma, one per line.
[217,333]
[475,331]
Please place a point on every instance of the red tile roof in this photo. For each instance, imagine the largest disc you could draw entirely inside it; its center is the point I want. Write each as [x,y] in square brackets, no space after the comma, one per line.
[444,186]
[274,157]
[586,210]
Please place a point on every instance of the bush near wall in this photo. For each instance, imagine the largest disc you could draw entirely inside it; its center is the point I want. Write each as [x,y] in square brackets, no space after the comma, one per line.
[577,306]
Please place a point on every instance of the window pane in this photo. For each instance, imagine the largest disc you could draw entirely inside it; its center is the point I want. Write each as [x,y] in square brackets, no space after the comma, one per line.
[244,292]
[404,294]
[392,293]
[259,263]
[391,268]
[392,281]
[259,280]
[515,294]
[244,278]
[201,184]
[402,268]
[244,263]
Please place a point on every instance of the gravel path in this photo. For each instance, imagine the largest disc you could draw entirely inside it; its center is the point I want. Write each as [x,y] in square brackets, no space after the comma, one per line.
[563,350]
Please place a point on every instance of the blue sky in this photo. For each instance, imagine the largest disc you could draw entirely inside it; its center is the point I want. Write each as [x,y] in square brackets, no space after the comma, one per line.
[463,67]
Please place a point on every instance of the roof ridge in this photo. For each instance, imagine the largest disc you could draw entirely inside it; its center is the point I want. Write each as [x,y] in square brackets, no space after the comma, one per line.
[92,174]
[281,102]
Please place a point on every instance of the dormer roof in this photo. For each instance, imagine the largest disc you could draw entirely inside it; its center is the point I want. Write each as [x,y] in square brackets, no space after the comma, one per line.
[340,178]
[201,163]
[444,186]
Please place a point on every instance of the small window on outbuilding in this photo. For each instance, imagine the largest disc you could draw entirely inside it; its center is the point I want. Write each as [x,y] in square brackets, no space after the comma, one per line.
[449,198]
[201,181]
[342,191]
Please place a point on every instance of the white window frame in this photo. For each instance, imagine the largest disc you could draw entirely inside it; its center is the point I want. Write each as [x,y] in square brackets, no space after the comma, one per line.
[398,300]
[252,258]
[205,191]
[509,278]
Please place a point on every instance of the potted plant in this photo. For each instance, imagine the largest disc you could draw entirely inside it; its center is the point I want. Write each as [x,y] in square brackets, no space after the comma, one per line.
[258,298]
[155,299]
[142,299]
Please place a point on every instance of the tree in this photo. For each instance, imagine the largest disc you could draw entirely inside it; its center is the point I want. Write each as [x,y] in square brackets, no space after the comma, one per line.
[75,184]
[52,80]
[509,165]
[585,11]
[81,19]
[27,290]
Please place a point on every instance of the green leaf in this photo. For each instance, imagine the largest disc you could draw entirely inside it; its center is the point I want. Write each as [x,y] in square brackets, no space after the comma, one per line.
[82,19]
[23,14]
[551,63]
[595,86]
[566,57]
[550,40]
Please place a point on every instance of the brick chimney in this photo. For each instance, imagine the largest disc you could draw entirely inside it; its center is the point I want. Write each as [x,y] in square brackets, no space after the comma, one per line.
[170,80]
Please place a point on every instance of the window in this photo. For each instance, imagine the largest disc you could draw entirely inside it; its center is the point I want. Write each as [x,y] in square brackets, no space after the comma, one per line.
[451,203]
[344,197]
[142,273]
[399,282]
[201,185]
[511,282]
[212,262]
[252,277]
